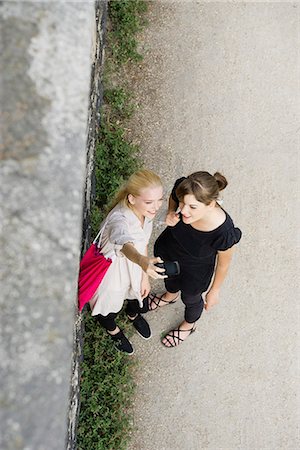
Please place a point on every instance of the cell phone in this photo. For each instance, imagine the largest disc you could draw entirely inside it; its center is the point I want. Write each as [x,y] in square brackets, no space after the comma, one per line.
[172,268]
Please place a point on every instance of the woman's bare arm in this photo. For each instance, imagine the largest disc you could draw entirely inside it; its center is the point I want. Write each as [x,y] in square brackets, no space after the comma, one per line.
[223,262]
[146,263]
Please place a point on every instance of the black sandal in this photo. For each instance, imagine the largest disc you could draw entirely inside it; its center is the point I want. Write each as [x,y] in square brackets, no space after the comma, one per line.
[176,338]
[121,342]
[152,297]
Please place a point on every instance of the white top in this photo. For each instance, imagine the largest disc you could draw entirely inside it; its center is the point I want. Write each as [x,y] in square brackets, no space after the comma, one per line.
[123,277]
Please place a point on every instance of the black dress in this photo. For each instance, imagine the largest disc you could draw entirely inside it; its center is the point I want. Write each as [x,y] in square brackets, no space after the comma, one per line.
[195,251]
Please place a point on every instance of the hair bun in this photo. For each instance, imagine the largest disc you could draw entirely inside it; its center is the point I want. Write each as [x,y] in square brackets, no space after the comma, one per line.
[221,180]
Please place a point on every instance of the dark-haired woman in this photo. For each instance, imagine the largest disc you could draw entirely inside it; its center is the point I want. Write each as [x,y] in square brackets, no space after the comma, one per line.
[201,236]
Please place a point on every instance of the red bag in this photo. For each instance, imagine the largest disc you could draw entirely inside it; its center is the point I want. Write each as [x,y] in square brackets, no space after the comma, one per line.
[93,267]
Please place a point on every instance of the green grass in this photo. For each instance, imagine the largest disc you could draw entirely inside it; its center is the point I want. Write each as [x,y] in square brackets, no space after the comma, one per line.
[106,391]
[115,160]
[127,19]
[120,103]
[107,385]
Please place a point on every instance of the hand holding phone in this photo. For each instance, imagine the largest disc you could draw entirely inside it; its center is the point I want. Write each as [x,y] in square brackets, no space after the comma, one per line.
[172,268]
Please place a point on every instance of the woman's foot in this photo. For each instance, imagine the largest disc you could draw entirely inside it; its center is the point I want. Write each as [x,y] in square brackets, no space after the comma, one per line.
[120,340]
[141,326]
[156,301]
[174,337]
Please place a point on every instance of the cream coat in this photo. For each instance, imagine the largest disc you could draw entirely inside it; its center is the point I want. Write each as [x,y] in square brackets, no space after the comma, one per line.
[123,278]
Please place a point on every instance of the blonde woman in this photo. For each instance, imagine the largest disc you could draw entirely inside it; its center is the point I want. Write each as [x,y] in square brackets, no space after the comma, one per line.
[125,236]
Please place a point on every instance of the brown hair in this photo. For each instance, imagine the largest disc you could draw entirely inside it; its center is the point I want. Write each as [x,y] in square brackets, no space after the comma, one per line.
[204,186]
[134,185]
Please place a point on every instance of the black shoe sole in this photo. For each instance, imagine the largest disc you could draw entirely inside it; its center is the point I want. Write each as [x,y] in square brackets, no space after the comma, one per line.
[146,338]
[137,330]
[123,351]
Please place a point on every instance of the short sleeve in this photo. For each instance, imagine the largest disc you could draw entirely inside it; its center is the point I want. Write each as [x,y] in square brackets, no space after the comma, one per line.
[227,239]
[173,193]
[118,231]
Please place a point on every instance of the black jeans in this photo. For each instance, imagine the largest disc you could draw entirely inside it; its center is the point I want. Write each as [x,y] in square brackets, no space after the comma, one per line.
[109,321]
[194,303]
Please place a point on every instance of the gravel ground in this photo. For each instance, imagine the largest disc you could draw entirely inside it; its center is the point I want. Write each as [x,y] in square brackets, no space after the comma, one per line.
[219,90]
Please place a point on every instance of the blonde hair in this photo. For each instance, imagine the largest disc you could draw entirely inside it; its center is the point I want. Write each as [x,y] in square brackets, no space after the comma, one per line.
[134,185]
[204,186]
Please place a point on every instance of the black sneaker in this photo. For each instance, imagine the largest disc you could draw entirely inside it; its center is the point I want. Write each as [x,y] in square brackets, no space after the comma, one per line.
[141,326]
[122,343]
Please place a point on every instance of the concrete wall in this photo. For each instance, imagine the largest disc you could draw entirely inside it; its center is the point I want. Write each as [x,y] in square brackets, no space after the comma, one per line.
[48,50]
[96,97]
